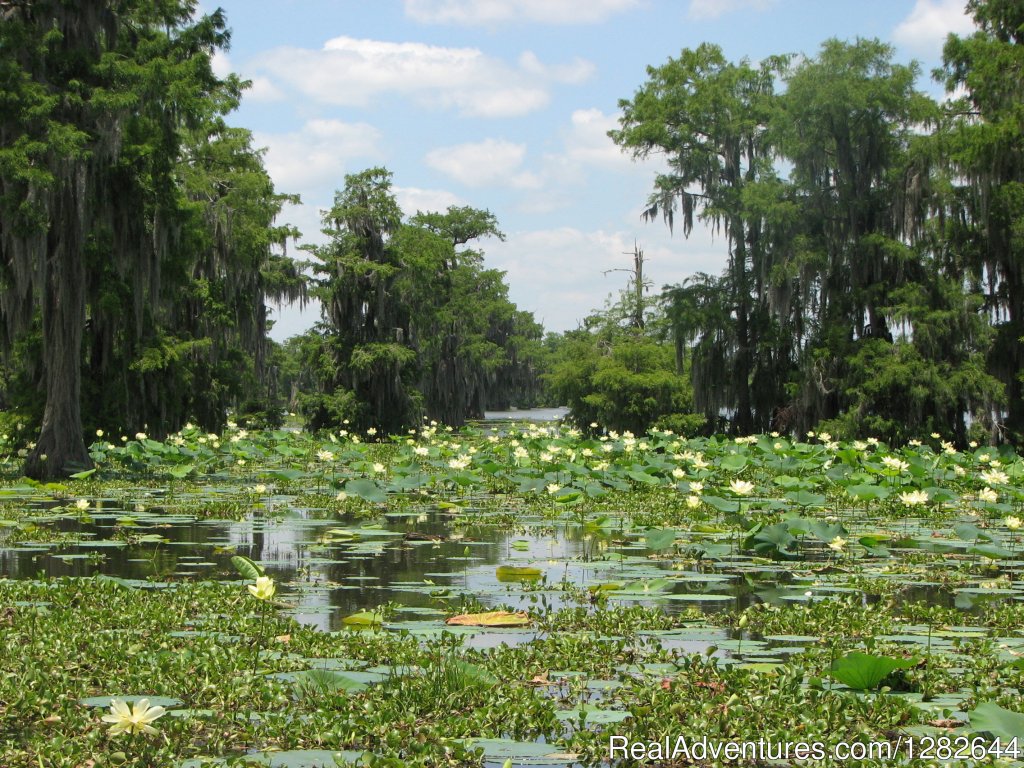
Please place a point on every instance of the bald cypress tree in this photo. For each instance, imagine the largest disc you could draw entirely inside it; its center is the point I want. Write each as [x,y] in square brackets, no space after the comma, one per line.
[983,141]
[102,225]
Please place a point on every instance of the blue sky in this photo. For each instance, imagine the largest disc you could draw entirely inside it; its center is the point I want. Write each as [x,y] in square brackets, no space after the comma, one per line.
[504,105]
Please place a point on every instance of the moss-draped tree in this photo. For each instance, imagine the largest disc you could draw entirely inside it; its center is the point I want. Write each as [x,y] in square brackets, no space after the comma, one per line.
[103,223]
[414,324]
[983,142]
[709,118]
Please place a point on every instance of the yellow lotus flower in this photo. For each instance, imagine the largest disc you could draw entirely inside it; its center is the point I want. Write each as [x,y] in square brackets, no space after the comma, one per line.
[995,477]
[914,498]
[891,462]
[1013,523]
[741,487]
[134,720]
[264,588]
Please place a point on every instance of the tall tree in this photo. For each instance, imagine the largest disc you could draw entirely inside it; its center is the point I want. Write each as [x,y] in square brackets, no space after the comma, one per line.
[984,143]
[364,326]
[848,117]
[709,117]
[413,323]
[94,94]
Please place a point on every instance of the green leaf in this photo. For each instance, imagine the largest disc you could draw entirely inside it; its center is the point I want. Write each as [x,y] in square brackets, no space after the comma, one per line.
[285,474]
[806,498]
[642,477]
[734,462]
[506,573]
[772,540]
[971,532]
[722,505]
[1003,724]
[660,539]
[874,546]
[864,671]
[367,490]
[246,567]
[826,532]
[567,496]
[865,492]
[364,619]
[991,551]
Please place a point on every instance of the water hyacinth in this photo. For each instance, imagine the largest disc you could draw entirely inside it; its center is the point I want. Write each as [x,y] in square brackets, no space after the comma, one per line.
[654,504]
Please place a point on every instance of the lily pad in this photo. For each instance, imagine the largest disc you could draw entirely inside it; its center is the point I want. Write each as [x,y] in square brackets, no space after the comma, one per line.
[863,671]
[520,752]
[490,619]
[507,573]
[1006,725]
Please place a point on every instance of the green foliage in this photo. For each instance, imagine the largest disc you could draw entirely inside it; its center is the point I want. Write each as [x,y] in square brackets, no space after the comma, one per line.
[980,138]
[896,393]
[138,236]
[413,325]
[1004,724]
[246,567]
[864,672]
[861,292]
[627,387]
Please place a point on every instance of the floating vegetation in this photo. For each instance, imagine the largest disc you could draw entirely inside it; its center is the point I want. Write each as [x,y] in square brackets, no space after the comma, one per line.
[520,598]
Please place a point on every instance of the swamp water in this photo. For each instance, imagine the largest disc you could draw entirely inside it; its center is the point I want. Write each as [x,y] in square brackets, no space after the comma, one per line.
[426,558]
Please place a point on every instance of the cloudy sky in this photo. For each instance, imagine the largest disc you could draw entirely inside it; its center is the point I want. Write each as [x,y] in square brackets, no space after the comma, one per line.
[505,105]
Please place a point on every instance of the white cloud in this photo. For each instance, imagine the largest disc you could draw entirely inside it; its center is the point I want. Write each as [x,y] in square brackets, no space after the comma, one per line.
[350,72]
[587,160]
[318,154]
[413,199]
[262,89]
[553,180]
[491,12]
[578,71]
[220,63]
[587,140]
[712,9]
[492,162]
[925,29]
[559,274]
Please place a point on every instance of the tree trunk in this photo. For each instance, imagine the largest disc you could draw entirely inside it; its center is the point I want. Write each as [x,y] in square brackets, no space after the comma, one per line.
[744,421]
[60,449]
